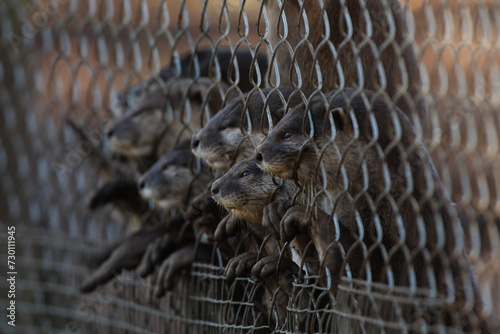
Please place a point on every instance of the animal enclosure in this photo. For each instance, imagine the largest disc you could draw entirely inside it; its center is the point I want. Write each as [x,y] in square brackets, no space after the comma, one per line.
[373,126]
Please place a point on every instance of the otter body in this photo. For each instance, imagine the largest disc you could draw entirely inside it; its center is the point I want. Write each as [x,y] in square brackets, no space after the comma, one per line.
[222,142]
[386,63]
[376,173]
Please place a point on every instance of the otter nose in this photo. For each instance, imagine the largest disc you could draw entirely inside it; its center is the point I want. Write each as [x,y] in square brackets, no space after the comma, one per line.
[110,132]
[215,189]
[259,157]
[142,185]
[195,141]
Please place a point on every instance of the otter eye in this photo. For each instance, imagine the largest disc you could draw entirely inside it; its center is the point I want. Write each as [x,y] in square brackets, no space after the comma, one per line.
[287,135]
[164,166]
[245,174]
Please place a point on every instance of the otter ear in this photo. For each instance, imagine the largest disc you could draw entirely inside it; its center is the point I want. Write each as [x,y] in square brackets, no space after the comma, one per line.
[339,118]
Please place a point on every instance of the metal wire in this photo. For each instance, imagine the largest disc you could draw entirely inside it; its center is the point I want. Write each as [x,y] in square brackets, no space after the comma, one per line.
[85,64]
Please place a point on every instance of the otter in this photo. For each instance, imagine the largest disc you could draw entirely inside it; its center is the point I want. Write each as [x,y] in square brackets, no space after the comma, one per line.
[245,73]
[245,190]
[338,55]
[172,181]
[383,201]
[233,133]
[162,118]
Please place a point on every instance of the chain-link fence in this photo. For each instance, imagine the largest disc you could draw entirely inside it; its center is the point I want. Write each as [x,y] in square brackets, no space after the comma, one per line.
[355,146]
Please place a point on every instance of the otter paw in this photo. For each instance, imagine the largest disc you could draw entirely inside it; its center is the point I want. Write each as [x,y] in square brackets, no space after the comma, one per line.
[123,193]
[201,205]
[228,227]
[240,266]
[179,260]
[155,253]
[273,214]
[272,265]
[294,222]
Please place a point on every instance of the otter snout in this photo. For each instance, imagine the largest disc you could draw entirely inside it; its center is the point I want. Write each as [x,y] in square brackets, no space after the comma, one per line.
[195,141]
[215,190]
[110,132]
[259,156]
[150,183]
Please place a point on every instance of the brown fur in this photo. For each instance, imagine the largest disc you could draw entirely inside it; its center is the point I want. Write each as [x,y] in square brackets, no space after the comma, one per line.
[232,134]
[172,181]
[162,117]
[246,189]
[337,63]
[357,157]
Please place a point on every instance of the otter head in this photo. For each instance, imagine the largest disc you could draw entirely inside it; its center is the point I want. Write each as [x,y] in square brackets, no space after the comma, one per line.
[335,130]
[235,131]
[162,116]
[170,182]
[245,190]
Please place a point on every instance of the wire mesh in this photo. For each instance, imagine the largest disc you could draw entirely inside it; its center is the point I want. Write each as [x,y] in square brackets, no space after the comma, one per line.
[84,79]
